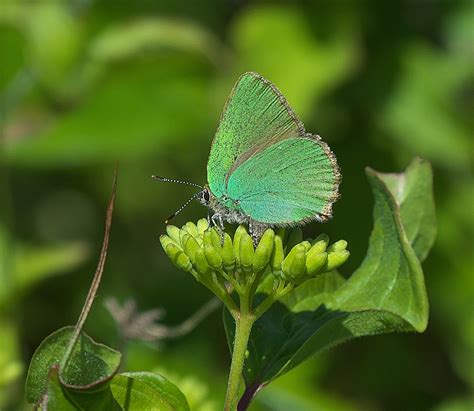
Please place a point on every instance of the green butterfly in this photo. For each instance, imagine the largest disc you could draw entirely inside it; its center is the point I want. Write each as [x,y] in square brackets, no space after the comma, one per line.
[264,170]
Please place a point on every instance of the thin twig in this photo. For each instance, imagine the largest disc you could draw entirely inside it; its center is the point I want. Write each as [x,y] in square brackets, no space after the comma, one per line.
[95,281]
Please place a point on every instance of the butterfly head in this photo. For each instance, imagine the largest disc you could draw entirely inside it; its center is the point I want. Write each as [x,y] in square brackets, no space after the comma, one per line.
[204,196]
[208,199]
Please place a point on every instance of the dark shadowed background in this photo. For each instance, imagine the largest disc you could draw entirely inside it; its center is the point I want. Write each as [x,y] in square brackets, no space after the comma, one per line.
[84,83]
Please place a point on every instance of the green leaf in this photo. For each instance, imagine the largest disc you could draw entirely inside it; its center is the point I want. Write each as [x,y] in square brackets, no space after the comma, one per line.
[147,391]
[413,193]
[280,333]
[385,294]
[57,397]
[132,391]
[91,364]
[128,391]
[54,398]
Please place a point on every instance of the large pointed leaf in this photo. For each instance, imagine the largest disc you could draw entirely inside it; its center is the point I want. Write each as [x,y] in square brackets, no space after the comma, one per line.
[385,294]
[412,193]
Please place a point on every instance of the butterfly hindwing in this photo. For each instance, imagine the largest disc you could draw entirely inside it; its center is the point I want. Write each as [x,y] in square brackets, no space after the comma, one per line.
[256,115]
[292,181]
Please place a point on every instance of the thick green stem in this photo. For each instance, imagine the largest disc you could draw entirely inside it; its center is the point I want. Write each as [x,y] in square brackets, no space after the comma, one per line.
[243,327]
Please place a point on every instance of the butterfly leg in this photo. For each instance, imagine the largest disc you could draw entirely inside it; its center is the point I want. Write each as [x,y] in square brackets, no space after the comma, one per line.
[218,222]
[256,230]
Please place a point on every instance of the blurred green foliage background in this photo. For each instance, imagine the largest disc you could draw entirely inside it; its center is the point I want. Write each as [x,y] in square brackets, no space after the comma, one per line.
[84,83]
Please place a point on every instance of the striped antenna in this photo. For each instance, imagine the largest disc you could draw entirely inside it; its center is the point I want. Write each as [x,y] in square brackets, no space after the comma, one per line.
[170,180]
[182,207]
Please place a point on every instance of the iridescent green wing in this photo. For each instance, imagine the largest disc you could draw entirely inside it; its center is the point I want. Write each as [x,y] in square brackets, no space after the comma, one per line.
[255,116]
[292,181]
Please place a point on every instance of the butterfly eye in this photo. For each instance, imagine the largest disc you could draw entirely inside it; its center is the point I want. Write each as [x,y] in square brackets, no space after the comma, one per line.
[205,196]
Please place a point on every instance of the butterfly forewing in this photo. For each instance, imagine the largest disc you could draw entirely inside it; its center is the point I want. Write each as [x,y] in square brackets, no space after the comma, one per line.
[255,116]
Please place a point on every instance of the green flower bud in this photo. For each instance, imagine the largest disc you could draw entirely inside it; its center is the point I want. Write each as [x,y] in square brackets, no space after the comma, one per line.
[182,233]
[246,251]
[228,255]
[216,238]
[191,229]
[264,250]
[294,264]
[202,225]
[321,237]
[190,246]
[183,262]
[207,251]
[207,237]
[226,250]
[180,259]
[201,264]
[165,240]
[237,236]
[172,250]
[295,237]
[212,257]
[306,245]
[315,261]
[173,233]
[320,242]
[278,253]
[336,259]
[338,246]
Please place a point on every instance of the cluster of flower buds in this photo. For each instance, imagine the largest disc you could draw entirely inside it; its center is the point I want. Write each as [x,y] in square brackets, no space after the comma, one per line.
[198,249]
